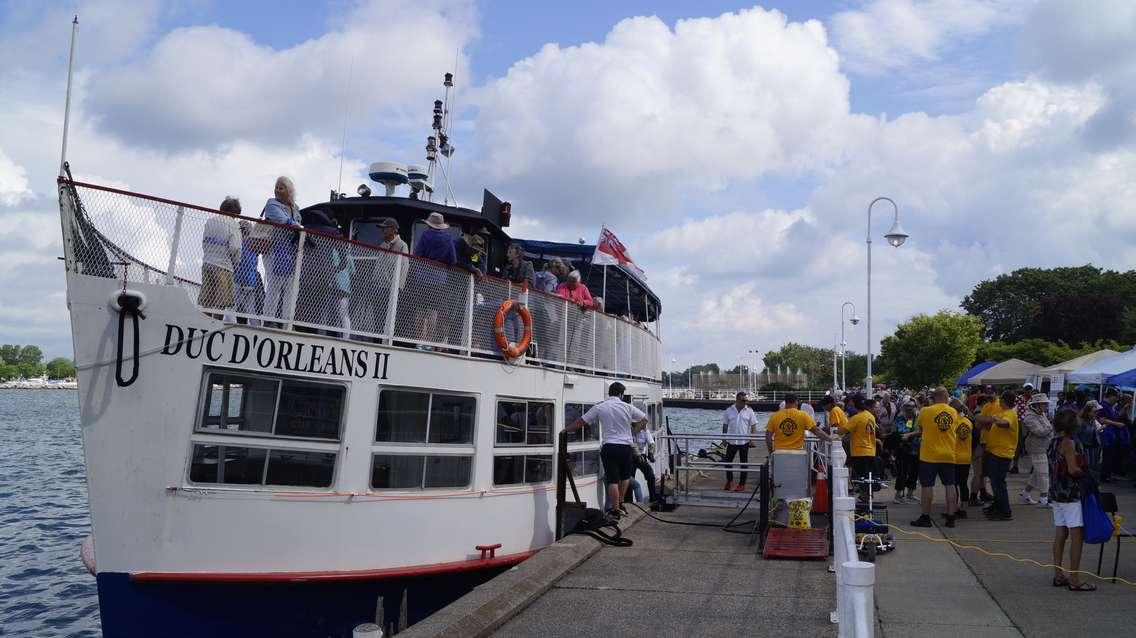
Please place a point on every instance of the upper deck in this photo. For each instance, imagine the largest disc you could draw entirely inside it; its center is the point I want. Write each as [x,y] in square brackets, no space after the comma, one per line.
[311,281]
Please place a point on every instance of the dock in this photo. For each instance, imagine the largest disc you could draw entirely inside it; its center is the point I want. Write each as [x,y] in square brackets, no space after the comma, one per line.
[680,580]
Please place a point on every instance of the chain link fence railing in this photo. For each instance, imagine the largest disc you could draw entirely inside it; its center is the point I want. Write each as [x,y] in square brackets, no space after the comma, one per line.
[247,270]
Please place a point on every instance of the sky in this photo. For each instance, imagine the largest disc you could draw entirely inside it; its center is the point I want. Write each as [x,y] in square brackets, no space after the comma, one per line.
[734,148]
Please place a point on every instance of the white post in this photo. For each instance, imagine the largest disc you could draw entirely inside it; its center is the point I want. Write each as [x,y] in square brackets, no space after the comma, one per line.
[842,509]
[860,582]
[470,300]
[392,298]
[595,342]
[294,289]
[564,349]
[174,247]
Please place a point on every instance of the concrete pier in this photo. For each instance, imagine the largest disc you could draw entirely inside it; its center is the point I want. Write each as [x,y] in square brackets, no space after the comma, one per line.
[700,581]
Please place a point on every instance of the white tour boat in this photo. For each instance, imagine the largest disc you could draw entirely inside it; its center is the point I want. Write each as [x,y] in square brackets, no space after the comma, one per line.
[257,472]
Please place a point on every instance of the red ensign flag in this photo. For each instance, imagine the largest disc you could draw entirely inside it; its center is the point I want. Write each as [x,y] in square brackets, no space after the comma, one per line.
[611,252]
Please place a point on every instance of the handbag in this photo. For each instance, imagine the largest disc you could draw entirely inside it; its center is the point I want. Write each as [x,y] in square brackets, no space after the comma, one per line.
[260,238]
[1098,524]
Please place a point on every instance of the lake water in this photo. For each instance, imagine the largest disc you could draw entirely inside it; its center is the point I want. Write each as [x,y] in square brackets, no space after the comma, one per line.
[44,589]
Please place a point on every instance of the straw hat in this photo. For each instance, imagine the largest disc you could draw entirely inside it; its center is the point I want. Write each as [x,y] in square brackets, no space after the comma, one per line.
[436,221]
[1040,397]
[474,241]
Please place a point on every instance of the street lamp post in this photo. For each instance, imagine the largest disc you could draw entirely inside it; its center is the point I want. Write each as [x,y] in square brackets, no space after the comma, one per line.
[895,237]
[843,344]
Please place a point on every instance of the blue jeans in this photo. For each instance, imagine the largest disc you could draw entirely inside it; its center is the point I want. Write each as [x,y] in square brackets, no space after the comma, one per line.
[995,468]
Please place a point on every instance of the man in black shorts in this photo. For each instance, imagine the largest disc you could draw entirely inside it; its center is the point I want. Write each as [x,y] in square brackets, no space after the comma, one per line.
[617,419]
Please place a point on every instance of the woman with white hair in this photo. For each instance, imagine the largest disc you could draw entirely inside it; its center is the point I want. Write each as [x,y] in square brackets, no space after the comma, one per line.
[574,291]
[280,260]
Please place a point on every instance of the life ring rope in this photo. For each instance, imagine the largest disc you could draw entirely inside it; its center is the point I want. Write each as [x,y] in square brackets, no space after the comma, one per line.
[518,349]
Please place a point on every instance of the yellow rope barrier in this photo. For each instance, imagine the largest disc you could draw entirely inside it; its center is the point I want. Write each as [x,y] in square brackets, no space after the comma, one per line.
[1027,561]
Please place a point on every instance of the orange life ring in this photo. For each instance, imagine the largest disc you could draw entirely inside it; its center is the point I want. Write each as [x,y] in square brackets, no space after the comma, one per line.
[517,350]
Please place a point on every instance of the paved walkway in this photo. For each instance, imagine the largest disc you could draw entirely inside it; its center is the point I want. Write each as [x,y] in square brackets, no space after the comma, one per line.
[930,589]
[683,581]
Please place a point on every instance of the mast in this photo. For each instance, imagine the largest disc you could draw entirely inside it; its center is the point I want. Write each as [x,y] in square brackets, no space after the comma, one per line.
[67,104]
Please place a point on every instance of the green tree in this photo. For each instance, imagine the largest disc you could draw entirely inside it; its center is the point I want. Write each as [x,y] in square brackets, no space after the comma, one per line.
[1011,305]
[931,350]
[8,371]
[60,368]
[815,362]
[30,355]
[10,353]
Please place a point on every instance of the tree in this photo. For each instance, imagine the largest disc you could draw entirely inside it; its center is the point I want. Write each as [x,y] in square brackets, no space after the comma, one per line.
[8,371]
[10,353]
[815,362]
[1011,305]
[931,350]
[60,368]
[30,355]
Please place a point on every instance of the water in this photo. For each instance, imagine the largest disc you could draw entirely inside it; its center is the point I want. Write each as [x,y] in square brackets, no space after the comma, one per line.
[44,588]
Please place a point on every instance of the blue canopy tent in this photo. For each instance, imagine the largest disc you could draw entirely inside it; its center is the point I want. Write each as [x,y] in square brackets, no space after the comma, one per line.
[965,378]
[1124,379]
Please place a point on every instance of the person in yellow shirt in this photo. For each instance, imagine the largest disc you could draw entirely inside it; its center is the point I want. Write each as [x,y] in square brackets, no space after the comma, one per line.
[836,415]
[985,404]
[1001,427]
[964,448]
[937,425]
[786,427]
[863,431]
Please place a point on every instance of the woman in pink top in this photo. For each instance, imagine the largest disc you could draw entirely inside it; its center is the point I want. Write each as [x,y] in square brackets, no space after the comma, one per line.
[574,291]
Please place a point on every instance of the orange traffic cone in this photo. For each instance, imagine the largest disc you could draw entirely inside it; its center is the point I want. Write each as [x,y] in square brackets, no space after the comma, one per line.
[820,492]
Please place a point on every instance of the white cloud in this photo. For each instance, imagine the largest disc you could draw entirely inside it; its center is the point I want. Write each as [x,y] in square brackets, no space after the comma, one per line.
[653,114]
[209,86]
[13,181]
[896,34]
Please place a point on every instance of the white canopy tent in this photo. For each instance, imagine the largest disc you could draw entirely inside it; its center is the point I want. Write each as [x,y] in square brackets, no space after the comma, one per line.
[1057,372]
[1013,371]
[1099,371]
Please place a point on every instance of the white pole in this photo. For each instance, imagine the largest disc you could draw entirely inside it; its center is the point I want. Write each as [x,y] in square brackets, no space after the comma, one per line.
[174,247]
[67,103]
[859,580]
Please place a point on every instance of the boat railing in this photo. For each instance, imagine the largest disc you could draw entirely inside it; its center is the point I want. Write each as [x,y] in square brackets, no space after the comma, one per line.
[305,280]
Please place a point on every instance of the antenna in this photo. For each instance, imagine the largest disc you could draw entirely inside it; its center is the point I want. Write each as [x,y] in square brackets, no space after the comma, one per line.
[67,104]
[439,142]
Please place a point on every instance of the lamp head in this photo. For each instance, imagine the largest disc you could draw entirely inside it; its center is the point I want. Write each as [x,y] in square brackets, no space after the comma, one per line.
[854,320]
[896,236]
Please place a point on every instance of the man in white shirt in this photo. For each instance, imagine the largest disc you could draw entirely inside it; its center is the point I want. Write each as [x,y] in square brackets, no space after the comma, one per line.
[617,419]
[738,419]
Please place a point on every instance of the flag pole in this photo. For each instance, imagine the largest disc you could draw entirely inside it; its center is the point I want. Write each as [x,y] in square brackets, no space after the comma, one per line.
[604,295]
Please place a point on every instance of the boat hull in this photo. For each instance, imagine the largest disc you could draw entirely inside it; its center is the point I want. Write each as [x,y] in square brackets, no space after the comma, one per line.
[131,608]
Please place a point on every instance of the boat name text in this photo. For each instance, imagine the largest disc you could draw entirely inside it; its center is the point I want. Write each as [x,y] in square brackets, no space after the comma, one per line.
[280,354]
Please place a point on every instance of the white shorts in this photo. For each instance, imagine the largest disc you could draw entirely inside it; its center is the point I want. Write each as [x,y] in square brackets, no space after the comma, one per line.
[1067,514]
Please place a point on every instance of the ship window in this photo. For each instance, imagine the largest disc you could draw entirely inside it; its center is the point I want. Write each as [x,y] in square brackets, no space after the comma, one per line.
[260,404]
[234,465]
[573,411]
[524,422]
[421,417]
[412,471]
[585,462]
[310,409]
[521,469]
[227,464]
[295,467]
[240,403]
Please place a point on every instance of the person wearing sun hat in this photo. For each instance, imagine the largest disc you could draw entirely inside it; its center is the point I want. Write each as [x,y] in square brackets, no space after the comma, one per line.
[429,279]
[1039,432]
